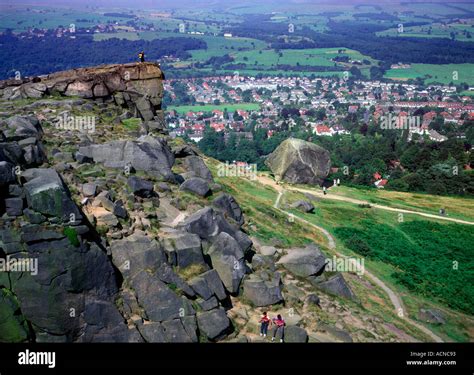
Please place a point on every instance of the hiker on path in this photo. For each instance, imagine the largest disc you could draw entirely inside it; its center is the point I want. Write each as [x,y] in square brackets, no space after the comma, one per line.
[141,56]
[279,327]
[264,323]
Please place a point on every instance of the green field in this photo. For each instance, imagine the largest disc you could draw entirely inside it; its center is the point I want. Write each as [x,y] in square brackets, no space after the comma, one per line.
[208,108]
[310,57]
[266,60]
[219,46]
[467,93]
[435,73]
[253,53]
[44,17]
[435,30]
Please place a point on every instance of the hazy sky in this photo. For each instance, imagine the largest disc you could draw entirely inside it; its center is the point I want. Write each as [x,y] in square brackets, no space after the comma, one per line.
[178,3]
[199,4]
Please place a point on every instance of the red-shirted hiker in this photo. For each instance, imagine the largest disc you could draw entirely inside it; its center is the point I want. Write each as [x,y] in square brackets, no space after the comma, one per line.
[279,327]
[264,323]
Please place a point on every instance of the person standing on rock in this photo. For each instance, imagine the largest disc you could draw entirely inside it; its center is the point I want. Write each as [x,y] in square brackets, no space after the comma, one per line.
[279,328]
[264,323]
[141,56]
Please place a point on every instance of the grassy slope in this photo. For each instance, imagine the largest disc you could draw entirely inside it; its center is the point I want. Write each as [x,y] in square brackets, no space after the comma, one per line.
[268,225]
[334,214]
[456,207]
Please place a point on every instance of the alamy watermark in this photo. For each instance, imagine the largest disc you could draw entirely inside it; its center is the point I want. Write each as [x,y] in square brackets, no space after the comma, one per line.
[37,358]
[399,122]
[10,264]
[85,124]
[237,170]
[356,265]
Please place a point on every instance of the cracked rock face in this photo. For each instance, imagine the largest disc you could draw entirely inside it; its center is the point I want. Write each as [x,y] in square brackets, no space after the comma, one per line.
[299,162]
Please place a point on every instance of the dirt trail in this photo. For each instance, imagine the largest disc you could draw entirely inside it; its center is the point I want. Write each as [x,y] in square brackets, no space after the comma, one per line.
[378,206]
[281,188]
[394,298]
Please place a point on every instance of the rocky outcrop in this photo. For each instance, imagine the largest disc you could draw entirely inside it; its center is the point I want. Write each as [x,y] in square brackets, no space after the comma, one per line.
[124,253]
[299,162]
[147,153]
[137,86]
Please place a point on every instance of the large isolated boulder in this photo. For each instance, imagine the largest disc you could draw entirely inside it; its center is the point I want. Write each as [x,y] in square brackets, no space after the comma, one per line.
[147,154]
[214,324]
[228,260]
[263,289]
[304,262]
[299,162]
